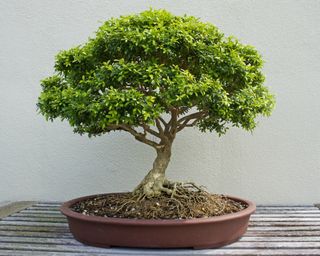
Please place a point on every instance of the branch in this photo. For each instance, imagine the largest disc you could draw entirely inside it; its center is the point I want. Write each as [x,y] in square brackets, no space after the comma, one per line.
[158,124]
[192,116]
[165,125]
[162,120]
[148,142]
[184,121]
[187,124]
[148,129]
[173,123]
[139,136]
[113,127]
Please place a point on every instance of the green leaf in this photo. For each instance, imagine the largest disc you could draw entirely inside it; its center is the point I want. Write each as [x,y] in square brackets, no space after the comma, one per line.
[138,67]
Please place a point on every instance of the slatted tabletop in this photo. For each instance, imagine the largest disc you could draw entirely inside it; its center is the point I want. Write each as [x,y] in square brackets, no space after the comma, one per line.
[273,230]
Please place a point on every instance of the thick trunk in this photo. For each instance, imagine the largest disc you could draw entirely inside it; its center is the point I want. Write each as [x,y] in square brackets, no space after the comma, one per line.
[153,182]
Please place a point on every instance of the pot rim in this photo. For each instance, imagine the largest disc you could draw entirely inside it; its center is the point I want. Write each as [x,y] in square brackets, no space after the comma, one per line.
[65,209]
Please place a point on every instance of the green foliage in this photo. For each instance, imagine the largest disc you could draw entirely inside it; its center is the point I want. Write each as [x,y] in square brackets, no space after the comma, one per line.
[138,67]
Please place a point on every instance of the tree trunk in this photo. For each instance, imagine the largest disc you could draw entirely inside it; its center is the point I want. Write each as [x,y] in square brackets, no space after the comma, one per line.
[153,182]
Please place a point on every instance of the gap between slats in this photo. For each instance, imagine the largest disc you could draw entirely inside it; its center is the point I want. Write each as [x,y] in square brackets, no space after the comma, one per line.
[280,229]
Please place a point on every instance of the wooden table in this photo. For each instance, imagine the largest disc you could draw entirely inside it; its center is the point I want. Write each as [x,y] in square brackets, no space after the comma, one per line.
[38,228]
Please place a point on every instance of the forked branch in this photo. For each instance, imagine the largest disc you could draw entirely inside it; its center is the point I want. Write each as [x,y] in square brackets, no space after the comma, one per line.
[148,129]
[173,123]
[190,120]
[142,137]
[158,124]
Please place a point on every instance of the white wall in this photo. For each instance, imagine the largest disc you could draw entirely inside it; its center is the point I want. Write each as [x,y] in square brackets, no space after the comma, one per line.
[278,163]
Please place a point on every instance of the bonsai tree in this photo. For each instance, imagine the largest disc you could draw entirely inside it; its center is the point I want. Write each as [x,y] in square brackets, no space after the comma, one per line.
[153,75]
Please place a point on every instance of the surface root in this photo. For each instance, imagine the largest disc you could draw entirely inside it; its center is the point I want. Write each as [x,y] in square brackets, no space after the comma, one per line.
[177,200]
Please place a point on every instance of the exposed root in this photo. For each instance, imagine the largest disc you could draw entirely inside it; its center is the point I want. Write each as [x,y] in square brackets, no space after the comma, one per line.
[172,189]
[177,200]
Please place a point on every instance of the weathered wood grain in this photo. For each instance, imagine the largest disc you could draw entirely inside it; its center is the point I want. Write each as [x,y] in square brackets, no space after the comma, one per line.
[40,229]
[36,219]
[33,228]
[30,233]
[42,211]
[113,252]
[8,208]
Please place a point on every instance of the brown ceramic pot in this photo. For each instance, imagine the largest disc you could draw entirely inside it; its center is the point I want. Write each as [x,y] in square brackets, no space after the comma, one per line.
[192,233]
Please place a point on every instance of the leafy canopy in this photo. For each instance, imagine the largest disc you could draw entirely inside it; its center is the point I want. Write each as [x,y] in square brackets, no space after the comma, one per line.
[139,67]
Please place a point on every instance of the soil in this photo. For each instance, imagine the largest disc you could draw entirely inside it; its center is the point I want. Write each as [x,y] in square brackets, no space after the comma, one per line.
[193,203]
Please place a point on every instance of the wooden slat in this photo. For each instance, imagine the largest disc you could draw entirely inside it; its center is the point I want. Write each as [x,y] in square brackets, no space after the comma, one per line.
[44,211]
[34,224]
[48,253]
[284,206]
[9,208]
[49,203]
[30,233]
[254,218]
[37,219]
[268,233]
[48,247]
[311,208]
[275,245]
[39,240]
[40,207]
[112,252]
[273,230]
[286,212]
[38,215]
[280,239]
[44,208]
[252,228]
[284,224]
[35,234]
[33,228]
[240,244]
[286,215]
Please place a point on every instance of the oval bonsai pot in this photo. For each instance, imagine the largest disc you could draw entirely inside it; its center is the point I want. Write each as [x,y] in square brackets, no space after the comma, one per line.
[198,233]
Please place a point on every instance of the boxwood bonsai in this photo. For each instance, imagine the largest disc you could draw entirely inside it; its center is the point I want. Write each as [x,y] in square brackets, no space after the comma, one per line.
[152,75]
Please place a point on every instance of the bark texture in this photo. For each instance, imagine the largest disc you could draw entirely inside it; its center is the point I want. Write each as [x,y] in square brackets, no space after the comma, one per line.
[164,132]
[154,182]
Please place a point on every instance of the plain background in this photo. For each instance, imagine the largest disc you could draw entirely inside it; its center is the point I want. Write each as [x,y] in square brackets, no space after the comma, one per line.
[278,163]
